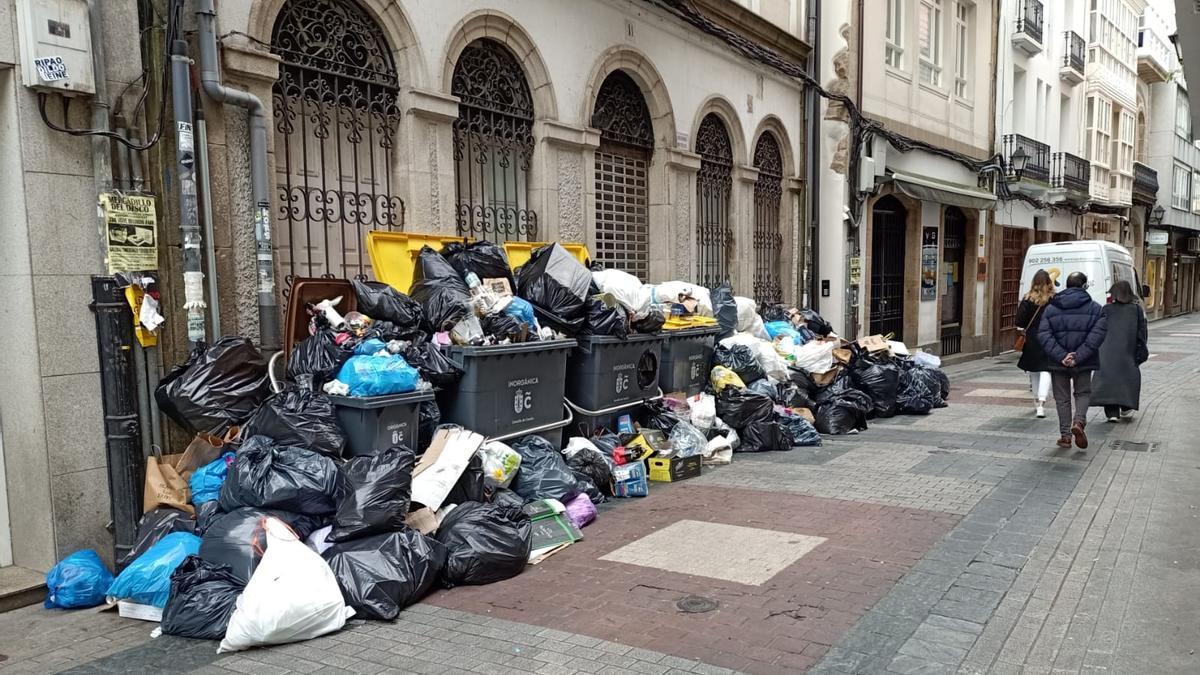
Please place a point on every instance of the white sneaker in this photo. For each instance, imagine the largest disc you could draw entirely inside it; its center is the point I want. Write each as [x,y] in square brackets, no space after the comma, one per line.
[1127,413]
[1041,410]
[1114,418]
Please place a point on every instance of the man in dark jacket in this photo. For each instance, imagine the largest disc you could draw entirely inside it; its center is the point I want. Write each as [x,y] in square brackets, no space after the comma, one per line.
[1071,333]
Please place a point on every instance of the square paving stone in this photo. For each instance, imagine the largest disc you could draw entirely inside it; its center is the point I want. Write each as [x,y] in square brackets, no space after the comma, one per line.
[687,547]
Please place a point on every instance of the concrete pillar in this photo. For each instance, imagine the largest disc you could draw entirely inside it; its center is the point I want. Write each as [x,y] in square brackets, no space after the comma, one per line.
[563,177]
[672,220]
[741,253]
[424,172]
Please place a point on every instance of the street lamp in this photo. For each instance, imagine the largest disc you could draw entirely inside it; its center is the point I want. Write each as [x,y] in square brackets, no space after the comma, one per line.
[1157,215]
[1016,165]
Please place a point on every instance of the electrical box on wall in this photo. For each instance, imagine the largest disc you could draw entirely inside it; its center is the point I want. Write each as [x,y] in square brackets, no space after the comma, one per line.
[56,46]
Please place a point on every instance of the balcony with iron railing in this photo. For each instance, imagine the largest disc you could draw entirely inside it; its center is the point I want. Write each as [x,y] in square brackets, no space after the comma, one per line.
[1071,173]
[1030,23]
[1145,184]
[1038,165]
[1074,57]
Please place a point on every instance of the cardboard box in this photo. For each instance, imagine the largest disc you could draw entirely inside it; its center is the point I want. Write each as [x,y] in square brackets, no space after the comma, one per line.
[674,469]
[629,480]
[873,343]
[552,530]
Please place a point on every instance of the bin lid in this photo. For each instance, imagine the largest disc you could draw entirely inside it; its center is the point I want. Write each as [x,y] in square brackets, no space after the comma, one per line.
[382,401]
[693,331]
[519,252]
[394,254]
[513,348]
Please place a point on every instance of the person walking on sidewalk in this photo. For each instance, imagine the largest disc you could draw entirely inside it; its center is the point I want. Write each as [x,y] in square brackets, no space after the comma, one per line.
[1118,383]
[1071,333]
[1033,357]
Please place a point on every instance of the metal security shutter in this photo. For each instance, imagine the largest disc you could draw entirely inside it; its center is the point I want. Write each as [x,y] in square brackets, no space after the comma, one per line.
[622,194]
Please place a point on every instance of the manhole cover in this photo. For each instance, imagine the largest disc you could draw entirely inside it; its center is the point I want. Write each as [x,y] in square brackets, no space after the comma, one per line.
[1130,446]
[695,604]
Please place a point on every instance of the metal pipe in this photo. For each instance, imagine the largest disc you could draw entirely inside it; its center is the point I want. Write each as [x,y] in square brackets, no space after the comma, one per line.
[210,80]
[210,246]
[101,151]
[814,156]
[121,176]
[189,227]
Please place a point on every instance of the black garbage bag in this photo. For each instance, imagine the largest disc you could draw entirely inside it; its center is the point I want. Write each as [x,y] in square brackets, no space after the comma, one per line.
[155,525]
[544,473]
[773,312]
[206,514]
[841,408]
[508,498]
[237,539]
[384,303]
[792,396]
[603,320]
[486,543]
[816,323]
[725,310]
[804,381]
[217,387]
[373,494]
[267,476]
[803,432]
[920,391]
[427,423]
[765,388]
[741,360]
[557,285]
[203,595]
[593,467]
[739,407]
[653,322]
[944,381]
[469,487]
[503,325]
[444,297]
[434,365]
[382,574]
[656,415]
[386,331]
[485,258]
[298,417]
[317,356]
[880,380]
[766,435]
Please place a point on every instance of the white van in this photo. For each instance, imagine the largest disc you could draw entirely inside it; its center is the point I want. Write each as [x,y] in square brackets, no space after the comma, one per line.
[1103,262]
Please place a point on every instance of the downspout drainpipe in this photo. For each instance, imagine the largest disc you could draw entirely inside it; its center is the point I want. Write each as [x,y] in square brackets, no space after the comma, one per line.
[814,158]
[210,81]
[189,226]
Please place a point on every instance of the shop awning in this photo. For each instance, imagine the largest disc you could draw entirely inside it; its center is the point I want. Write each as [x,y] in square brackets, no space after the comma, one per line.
[944,192]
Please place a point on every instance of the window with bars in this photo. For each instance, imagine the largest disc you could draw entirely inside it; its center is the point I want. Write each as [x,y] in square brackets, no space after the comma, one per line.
[894,49]
[493,144]
[714,184]
[622,192]
[962,50]
[929,41]
[768,239]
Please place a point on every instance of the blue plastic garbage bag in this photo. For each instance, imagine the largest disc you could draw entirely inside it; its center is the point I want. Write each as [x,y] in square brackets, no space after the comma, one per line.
[78,580]
[205,483]
[521,310]
[370,347]
[777,328]
[378,375]
[147,580]
[803,432]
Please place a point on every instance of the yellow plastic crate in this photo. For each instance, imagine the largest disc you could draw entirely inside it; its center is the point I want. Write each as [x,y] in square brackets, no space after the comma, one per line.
[519,252]
[394,254]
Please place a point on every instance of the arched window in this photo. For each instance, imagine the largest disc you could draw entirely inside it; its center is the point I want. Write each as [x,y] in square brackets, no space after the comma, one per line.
[493,144]
[714,184]
[335,125]
[768,240]
[622,197]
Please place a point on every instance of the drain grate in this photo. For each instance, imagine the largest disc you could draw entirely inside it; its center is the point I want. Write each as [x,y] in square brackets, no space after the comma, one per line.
[696,604]
[1130,446]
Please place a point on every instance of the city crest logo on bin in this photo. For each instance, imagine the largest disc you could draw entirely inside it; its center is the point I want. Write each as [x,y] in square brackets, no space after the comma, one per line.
[622,382]
[522,401]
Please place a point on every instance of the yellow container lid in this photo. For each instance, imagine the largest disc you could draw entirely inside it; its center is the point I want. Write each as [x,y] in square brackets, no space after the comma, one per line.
[519,252]
[394,254]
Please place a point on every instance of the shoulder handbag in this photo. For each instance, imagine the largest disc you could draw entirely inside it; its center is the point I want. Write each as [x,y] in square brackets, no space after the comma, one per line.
[1019,343]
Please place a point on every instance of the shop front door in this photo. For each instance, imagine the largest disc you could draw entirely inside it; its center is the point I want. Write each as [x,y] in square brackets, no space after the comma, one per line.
[889,218]
[954,233]
[1012,259]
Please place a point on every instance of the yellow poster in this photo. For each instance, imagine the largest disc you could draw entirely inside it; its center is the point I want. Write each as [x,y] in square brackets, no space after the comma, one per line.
[131,230]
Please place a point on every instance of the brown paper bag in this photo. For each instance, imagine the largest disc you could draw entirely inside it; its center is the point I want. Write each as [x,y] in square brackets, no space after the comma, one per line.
[205,448]
[164,485]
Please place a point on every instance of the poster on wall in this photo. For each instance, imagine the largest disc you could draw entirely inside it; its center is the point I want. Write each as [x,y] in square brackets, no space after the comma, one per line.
[131,232]
[929,263]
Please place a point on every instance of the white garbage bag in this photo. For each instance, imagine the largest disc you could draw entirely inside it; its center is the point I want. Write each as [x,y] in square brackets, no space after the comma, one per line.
[627,289]
[292,596]
[748,319]
[669,291]
[703,411]
[815,356]
[772,363]
[500,464]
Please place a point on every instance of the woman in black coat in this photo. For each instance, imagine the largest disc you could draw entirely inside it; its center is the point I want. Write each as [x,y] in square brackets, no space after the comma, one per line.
[1033,358]
[1117,385]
